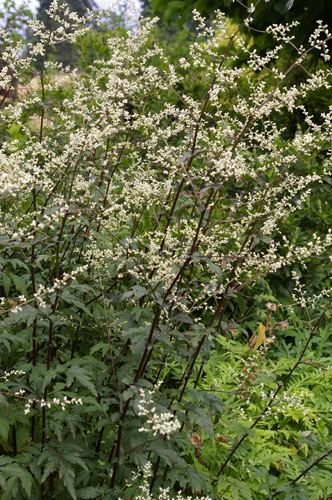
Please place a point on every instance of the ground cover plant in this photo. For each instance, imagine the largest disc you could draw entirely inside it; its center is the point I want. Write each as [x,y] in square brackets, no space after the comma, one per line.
[165,262]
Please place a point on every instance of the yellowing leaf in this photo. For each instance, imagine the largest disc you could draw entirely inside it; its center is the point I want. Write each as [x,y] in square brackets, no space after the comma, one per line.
[305,449]
[279,466]
[258,337]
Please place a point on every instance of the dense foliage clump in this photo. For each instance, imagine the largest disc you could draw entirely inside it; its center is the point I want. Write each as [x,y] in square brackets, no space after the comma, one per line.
[164,253]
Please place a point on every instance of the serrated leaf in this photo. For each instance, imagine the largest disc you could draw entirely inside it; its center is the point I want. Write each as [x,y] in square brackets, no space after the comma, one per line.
[6,283]
[4,430]
[50,467]
[201,418]
[68,476]
[168,455]
[30,313]
[193,477]
[5,460]
[11,490]
[26,481]
[72,299]
[82,376]
[2,480]
[88,492]
[103,347]
[19,283]
[50,375]
[183,318]
[76,460]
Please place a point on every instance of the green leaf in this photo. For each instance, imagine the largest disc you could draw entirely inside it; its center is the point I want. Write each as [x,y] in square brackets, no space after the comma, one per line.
[75,459]
[30,313]
[103,347]
[11,489]
[82,376]
[2,481]
[88,492]
[5,460]
[4,429]
[168,455]
[15,131]
[68,476]
[50,467]
[6,283]
[140,291]
[235,492]
[215,269]
[201,418]
[26,481]
[49,376]
[183,318]
[72,299]
[19,283]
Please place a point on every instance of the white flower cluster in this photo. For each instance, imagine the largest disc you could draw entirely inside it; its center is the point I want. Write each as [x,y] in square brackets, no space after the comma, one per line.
[62,403]
[163,423]
[43,293]
[301,296]
[133,178]
[141,185]
[142,476]
[295,405]
[20,392]
[47,221]
[288,405]
[69,26]
[320,38]
[12,373]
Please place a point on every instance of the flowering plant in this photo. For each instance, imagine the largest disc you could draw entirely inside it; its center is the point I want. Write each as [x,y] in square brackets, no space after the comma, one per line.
[142,218]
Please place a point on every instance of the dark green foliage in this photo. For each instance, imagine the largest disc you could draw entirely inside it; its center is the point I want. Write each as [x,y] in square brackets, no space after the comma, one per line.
[273,11]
